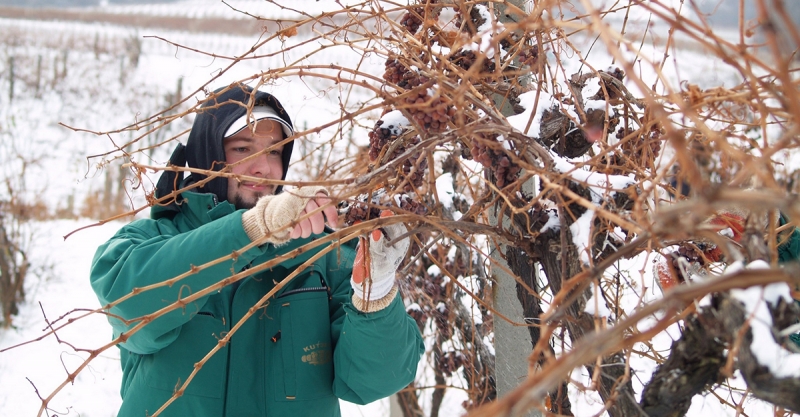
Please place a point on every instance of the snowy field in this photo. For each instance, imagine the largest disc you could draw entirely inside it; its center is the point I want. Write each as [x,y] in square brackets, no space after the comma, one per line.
[116,99]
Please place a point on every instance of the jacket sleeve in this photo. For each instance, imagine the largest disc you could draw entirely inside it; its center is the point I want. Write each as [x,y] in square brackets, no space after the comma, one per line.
[147,252]
[788,242]
[375,354]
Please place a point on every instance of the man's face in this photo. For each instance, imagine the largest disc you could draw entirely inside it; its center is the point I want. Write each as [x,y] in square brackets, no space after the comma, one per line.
[267,164]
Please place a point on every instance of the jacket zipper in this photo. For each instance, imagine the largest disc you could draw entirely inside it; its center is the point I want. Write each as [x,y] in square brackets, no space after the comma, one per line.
[302,290]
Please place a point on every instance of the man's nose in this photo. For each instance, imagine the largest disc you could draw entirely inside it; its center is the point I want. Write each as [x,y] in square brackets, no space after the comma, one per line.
[260,165]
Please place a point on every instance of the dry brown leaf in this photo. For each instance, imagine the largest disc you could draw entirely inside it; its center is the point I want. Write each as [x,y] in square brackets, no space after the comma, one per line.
[288,32]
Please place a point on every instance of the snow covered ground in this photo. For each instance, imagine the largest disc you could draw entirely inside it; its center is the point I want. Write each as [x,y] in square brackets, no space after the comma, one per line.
[45,364]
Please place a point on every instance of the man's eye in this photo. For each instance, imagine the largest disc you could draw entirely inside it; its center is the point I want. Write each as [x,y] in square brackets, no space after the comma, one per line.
[240,149]
[276,152]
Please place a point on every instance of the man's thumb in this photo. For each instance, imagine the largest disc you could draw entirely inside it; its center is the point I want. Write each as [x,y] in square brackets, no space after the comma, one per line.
[360,270]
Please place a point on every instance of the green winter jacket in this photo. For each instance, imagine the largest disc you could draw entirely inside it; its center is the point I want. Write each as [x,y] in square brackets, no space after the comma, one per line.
[295,357]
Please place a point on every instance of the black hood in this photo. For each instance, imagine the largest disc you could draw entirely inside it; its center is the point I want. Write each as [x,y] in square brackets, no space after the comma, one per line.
[204,148]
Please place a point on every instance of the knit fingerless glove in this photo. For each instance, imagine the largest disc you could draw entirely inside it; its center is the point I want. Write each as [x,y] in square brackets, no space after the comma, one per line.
[273,214]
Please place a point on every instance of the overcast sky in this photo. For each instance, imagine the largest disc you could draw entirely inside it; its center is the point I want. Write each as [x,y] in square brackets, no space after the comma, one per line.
[720,12]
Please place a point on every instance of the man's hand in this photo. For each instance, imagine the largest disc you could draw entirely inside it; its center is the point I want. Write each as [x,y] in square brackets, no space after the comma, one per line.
[374,269]
[315,223]
[273,214]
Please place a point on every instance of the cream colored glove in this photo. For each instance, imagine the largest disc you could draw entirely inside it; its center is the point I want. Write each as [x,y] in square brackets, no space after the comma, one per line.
[374,287]
[273,213]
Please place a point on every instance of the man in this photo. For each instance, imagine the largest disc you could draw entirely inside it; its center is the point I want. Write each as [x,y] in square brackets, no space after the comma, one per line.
[316,341]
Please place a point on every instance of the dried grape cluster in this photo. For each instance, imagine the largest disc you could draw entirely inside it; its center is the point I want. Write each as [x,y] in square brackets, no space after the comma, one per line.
[405,78]
[434,287]
[641,150]
[695,253]
[395,72]
[359,210]
[435,304]
[530,56]
[505,170]
[432,113]
[412,206]
[539,216]
[413,178]
[613,164]
[383,140]
[441,316]
[475,20]
[467,58]
[617,73]
[450,361]
[693,256]
[429,112]
[613,92]
[412,19]
[381,136]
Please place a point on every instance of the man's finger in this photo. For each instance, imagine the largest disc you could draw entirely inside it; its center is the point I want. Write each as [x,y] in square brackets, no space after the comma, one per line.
[378,233]
[330,212]
[322,199]
[360,265]
[305,226]
[317,223]
[332,215]
[316,220]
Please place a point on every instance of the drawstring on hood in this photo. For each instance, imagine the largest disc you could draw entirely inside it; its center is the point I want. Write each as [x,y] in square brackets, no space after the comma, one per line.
[204,149]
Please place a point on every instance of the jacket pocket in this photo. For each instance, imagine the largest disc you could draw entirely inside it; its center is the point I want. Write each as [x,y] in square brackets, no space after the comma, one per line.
[302,358]
[170,367]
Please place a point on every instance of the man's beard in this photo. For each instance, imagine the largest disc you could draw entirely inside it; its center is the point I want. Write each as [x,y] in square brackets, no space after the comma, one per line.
[241,203]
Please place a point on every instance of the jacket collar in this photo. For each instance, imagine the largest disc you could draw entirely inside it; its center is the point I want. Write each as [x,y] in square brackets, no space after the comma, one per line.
[197,209]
